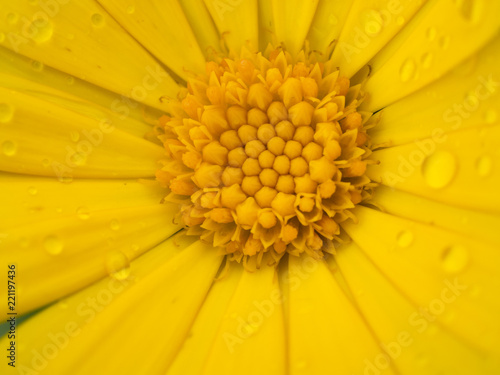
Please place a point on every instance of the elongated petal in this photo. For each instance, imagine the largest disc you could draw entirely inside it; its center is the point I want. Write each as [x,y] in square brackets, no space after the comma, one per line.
[153,23]
[427,48]
[433,267]
[457,168]
[81,39]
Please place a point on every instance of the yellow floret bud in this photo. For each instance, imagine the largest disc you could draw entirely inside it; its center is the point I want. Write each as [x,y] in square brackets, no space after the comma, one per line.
[265,132]
[251,184]
[207,175]
[322,170]
[290,92]
[326,131]
[312,151]
[247,212]
[305,204]
[293,149]
[305,184]
[301,114]
[281,164]
[230,139]
[268,177]
[276,145]
[232,176]
[351,121]
[236,157]
[236,116]
[221,215]
[332,149]
[285,130]
[215,120]
[251,167]
[232,196]
[298,167]
[329,227]
[357,168]
[266,159]
[277,112]
[304,135]
[257,117]
[285,184]
[259,96]
[327,189]
[247,133]
[265,196]
[283,204]
[289,233]
[267,219]
[215,153]
[254,148]
[309,87]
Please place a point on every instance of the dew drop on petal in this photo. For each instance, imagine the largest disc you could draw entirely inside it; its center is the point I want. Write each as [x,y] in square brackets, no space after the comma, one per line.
[444,42]
[471,10]
[32,190]
[6,112]
[70,80]
[372,22]
[12,18]
[439,169]
[333,20]
[9,148]
[117,265]
[490,116]
[74,136]
[114,224]
[131,9]
[37,66]
[83,213]
[53,244]
[454,258]
[408,70]
[97,20]
[484,165]
[41,30]
[404,238]
[427,59]
[46,163]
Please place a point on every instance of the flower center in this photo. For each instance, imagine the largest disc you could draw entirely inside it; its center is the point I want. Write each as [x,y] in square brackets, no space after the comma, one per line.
[266,156]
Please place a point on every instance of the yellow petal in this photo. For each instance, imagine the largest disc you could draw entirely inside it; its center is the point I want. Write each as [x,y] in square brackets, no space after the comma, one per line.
[70,247]
[427,48]
[202,25]
[31,77]
[459,168]
[327,335]
[453,277]
[42,138]
[237,22]
[81,39]
[167,290]
[163,29]
[292,20]
[369,26]
[197,347]
[252,327]
[267,32]
[327,24]
[479,225]
[415,343]
[466,97]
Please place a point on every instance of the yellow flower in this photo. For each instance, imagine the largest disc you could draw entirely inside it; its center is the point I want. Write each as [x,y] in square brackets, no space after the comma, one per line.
[405,282]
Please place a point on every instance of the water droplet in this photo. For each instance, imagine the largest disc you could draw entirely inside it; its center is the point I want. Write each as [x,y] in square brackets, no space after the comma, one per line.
[70,80]
[484,165]
[114,224]
[41,30]
[53,244]
[454,258]
[83,213]
[74,136]
[427,59]
[405,238]
[46,163]
[9,148]
[78,158]
[118,265]
[32,190]
[471,10]
[444,42]
[490,116]
[431,33]
[131,9]
[408,70]
[37,66]
[373,22]
[439,169]
[6,112]
[66,179]
[98,20]
[12,18]
[63,305]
